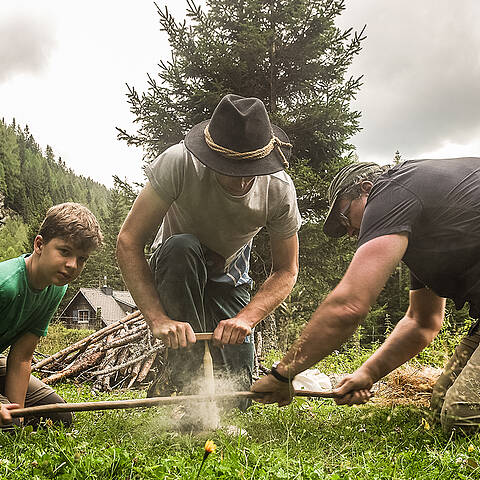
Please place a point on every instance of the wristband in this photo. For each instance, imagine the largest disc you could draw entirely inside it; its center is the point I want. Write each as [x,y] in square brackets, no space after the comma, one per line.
[279,376]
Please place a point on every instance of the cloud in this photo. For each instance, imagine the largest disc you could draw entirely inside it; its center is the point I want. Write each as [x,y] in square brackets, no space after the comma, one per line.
[26,42]
[421,67]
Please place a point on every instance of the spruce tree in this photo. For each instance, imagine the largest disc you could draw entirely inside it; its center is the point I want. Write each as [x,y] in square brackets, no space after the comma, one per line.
[291,55]
[288,53]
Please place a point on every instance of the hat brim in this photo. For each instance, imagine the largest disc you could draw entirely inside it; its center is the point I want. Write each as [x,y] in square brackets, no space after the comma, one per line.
[273,162]
[332,227]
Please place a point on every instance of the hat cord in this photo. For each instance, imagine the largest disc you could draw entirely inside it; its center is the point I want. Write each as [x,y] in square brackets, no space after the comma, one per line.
[275,142]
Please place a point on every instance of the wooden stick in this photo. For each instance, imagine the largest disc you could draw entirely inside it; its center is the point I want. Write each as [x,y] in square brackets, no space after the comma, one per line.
[148,402]
[90,361]
[146,367]
[204,336]
[95,336]
[127,364]
[208,371]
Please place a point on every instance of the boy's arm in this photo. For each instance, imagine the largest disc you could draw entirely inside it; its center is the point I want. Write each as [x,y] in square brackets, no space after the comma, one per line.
[19,363]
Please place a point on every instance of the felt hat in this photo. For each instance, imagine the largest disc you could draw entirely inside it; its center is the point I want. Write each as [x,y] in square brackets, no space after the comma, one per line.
[239,139]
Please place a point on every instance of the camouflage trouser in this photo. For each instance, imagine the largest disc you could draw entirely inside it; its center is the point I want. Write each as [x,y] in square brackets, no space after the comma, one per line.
[456,395]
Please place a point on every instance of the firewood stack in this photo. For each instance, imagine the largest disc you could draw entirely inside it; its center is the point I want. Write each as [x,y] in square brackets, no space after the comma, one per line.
[119,355]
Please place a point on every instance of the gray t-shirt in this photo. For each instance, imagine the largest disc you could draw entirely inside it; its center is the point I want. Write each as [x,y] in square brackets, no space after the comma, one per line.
[223,223]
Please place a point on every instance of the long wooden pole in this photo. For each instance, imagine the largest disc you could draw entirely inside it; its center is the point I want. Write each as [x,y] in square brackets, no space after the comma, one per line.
[149,402]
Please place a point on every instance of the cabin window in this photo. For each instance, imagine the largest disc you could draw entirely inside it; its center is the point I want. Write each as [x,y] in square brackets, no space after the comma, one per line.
[83,316]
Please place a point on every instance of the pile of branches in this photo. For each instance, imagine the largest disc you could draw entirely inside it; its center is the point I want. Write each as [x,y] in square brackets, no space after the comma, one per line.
[119,355]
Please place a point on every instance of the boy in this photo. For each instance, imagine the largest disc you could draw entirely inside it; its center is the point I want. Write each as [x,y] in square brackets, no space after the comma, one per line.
[31,288]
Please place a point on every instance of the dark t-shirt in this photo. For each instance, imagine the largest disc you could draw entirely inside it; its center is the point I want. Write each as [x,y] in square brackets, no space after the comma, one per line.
[437,202]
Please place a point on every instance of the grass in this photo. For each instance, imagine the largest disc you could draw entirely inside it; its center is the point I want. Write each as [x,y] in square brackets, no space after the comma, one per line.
[60,337]
[309,439]
[306,440]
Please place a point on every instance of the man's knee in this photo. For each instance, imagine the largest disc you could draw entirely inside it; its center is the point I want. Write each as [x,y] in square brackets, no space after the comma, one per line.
[438,395]
[178,253]
[180,244]
[457,412]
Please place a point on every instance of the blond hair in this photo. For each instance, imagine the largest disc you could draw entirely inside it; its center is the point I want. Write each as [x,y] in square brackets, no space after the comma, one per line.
[73,222]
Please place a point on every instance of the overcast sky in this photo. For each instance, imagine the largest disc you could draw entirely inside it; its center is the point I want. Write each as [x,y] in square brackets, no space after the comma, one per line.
[64,66]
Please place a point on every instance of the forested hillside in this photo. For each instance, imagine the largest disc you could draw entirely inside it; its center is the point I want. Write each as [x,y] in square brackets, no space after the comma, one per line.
[32,180]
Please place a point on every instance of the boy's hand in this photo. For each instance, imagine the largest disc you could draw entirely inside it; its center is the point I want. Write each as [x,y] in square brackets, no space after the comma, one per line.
[174,334]
[5,417]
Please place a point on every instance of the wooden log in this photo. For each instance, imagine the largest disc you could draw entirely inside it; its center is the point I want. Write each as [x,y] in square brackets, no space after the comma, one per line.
[123,356]
[147,365]
[148,402]
[76,354]
[96,336]
[120,342]
[124,340]
[75,369]
[127,364]
[103,383]
[136,370]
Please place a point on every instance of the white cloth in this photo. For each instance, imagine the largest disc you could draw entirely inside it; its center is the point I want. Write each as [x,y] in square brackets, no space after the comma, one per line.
[312,380]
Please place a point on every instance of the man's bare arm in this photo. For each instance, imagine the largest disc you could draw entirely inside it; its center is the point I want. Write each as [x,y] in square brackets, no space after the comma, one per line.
[410,336]
[338,316]
[272,292]
[139,227]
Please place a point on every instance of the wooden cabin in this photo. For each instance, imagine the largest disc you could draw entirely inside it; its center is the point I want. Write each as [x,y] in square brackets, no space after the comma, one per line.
[95,308]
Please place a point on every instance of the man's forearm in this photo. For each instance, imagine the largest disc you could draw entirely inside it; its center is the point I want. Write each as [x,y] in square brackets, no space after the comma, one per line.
[406,340]
[330,326]
[270,295]
[139,280]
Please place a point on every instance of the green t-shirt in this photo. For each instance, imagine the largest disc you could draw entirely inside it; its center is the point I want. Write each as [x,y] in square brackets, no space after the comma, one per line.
[23,309]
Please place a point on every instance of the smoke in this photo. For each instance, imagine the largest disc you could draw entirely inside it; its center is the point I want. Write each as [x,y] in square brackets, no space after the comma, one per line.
[199,417]
[26,43]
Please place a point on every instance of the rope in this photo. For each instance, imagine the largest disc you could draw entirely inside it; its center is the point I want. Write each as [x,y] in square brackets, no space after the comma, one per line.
[275,142]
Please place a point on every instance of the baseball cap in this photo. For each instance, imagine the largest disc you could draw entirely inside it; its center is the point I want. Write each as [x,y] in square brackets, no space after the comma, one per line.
[344,179]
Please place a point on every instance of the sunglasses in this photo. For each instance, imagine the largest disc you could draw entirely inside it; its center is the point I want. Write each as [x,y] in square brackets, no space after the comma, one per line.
[342,215]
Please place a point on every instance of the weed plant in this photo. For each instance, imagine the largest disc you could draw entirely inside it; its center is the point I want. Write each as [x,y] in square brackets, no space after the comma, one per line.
[60,337]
